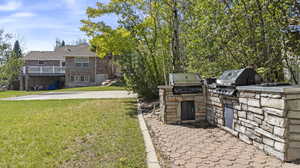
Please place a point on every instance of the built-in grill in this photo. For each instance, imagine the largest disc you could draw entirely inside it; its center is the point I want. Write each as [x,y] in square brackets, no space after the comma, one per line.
[185,83]
[182,101]
[227,82]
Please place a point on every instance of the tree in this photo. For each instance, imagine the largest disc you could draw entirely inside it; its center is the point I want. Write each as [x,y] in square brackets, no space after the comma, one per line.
[155,38]
[142,43]
[63,43]
[59,43]
[11,72]
[5,51]
[5,46]
[80,41]
[17,52]
[224,35]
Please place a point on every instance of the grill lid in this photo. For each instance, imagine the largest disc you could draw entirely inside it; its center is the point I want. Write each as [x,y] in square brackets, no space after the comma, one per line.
[184,79]
[240,77]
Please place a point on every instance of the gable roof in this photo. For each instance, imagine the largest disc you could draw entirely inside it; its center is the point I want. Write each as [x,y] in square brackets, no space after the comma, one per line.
[44,55]
[62,52]
[78,50]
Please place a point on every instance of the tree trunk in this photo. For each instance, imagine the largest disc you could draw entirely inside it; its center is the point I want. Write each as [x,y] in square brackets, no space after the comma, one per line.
[177,62]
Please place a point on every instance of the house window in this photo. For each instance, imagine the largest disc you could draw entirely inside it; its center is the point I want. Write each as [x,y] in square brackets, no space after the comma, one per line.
[80,78]
[81,62]
[86,78]
[77,78]
[63,64]
[41,62]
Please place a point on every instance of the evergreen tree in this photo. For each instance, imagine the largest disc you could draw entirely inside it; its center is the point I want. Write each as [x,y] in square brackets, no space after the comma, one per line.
[17,51]
[63,43]
[57,43]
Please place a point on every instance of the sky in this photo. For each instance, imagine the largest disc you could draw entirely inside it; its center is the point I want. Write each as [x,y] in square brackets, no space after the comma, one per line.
[38,23]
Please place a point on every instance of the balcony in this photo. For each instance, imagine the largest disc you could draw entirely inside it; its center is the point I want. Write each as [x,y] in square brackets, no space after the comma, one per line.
[44,70]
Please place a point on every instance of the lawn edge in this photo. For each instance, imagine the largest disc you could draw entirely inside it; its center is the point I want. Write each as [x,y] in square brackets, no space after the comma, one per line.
[152,160]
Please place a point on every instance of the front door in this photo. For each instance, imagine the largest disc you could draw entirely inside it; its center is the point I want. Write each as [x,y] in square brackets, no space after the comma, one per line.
[228,115]
[188,110]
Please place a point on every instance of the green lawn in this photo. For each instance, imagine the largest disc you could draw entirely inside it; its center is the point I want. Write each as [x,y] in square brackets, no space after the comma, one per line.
[69,133]
[5,94]
[13,93]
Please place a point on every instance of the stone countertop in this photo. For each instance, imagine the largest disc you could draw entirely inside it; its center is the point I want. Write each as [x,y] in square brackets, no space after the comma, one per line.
[275,89]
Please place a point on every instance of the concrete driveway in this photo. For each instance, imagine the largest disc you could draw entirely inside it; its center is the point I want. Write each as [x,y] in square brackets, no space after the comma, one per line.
[76,95]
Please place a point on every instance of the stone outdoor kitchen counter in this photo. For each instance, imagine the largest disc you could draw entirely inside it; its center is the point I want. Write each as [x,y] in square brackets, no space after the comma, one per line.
[273,89]
[267,117]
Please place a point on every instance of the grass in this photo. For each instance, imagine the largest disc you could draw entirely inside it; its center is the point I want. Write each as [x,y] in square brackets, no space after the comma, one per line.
[13,93]
[69,133]
[10,93]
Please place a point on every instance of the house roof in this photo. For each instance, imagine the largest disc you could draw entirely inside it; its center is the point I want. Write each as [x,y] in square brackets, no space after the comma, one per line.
[44,55]
[78,50]
[60,53]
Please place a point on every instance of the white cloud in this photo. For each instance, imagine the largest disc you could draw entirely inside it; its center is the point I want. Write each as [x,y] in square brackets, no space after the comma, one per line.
[22,14]
[16,17]
[6,20]
[71,3]
[10,6]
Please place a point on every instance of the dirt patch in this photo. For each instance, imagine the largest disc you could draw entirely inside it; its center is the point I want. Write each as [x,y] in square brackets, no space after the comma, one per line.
[83,156]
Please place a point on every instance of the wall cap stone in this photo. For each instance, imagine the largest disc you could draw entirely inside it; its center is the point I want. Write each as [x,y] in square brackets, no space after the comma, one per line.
[279,89]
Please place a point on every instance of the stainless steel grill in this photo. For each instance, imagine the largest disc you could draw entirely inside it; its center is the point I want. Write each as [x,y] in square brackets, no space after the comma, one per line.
[227,82]
[185,83]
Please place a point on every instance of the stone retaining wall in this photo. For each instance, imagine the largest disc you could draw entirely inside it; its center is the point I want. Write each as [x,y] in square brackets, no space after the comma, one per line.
[293,133]
[269,121]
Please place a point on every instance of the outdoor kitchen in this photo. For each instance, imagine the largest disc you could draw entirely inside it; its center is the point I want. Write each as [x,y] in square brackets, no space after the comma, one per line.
[182,101]
[266,115]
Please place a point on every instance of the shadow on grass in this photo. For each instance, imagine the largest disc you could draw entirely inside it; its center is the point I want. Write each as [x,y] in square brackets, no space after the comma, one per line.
[131,108]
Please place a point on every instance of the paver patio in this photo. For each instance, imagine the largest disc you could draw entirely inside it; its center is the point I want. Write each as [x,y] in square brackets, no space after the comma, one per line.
[192,147]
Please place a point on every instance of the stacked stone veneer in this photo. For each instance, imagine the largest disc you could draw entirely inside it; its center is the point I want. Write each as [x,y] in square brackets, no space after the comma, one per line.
[170,105]
[268,120]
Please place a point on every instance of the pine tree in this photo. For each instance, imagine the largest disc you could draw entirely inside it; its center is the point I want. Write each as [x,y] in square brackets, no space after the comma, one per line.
[57,43]
[63,43]
[17,52]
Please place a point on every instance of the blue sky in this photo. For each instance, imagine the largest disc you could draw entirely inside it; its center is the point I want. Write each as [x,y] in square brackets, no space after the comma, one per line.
[37,23]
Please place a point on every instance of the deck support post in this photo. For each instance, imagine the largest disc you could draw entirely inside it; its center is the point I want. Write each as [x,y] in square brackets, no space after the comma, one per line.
[26,82]
[21,78]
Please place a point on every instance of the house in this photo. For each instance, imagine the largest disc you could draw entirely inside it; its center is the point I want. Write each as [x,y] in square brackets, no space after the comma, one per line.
[68,66]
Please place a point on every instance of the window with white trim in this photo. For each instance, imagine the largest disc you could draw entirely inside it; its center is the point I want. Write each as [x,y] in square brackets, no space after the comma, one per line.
[81,62]
[86,78]
[77,78]
[80,78]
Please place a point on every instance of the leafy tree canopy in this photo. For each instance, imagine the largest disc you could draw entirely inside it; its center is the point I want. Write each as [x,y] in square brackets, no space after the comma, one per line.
[155,38]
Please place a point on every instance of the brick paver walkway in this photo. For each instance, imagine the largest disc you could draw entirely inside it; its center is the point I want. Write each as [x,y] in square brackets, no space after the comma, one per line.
[191,147]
